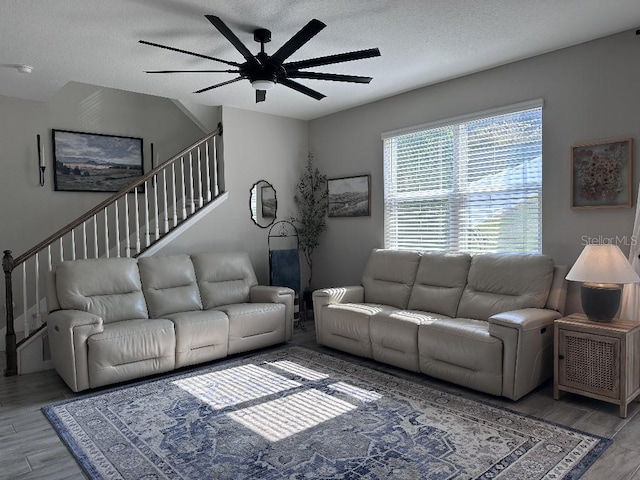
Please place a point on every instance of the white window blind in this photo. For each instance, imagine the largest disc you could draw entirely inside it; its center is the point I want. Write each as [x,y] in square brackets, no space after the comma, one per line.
[472,184]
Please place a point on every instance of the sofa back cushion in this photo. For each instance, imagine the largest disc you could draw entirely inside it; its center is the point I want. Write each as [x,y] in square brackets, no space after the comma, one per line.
[440,281]
[169,284]
[503,282]
[107,287]
[389,276]
[223,278]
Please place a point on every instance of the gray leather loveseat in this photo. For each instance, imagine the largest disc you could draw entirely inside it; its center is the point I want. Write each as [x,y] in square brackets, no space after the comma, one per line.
[484,322]
[117,319]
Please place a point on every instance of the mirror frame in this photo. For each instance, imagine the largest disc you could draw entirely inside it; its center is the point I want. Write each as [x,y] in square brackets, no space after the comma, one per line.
[262,184]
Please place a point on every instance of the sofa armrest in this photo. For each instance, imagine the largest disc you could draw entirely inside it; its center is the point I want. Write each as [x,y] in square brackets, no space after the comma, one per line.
[527,342]
[273,294]
[351,294]
[68,332]
[327,296]
[525,319]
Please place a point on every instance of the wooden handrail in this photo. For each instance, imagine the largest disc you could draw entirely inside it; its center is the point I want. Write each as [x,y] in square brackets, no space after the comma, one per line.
[116,196]
[9,264]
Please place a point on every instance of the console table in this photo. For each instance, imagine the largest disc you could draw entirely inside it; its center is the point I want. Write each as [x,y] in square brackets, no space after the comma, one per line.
[598,360]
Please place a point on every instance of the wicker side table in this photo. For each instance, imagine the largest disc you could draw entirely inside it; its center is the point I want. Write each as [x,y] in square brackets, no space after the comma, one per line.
[598,360]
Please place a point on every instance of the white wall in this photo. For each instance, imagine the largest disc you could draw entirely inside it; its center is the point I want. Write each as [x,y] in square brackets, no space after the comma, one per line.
[257,147]
[30,213]
[590,92]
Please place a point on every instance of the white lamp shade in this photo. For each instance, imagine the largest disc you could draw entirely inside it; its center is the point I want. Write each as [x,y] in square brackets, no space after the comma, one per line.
[602,264]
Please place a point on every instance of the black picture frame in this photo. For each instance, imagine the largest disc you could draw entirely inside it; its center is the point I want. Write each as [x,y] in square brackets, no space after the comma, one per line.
[95,162]
[349,196]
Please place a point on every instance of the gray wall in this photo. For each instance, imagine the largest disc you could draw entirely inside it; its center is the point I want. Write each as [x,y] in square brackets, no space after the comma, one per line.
[257,147]
[29,213]
[590,92]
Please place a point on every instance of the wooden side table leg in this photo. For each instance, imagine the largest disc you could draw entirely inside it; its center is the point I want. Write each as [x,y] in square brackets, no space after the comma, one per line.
[623,409]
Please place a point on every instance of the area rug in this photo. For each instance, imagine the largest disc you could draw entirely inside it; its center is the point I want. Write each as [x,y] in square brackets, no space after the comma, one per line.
[294,413]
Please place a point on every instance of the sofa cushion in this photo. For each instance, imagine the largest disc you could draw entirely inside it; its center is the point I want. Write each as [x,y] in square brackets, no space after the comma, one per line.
[201,336]
[503,282]
[461,350]
[394,337]
[223,278]
[107,287]
[346,326]
[440,281]
[130,349]
[169,284]
[255,325]
[389,276]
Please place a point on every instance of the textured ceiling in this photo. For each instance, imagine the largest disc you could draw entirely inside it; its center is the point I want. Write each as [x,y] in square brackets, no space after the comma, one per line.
[422,42]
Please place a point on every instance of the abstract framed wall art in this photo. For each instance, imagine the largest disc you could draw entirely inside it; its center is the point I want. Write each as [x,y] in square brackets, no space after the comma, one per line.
[601,174]
[349,196]
[93,162]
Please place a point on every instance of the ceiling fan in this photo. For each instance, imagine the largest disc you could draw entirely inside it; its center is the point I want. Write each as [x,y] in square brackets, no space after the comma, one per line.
[265,71]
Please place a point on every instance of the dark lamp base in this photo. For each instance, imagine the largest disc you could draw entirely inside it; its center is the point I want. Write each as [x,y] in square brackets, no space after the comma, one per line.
[600,303]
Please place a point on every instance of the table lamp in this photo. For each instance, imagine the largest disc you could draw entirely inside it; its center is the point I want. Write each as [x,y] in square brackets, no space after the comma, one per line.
[602,269]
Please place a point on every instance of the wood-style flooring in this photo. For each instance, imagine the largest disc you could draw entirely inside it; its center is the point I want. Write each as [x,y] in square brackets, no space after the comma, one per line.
[30,448]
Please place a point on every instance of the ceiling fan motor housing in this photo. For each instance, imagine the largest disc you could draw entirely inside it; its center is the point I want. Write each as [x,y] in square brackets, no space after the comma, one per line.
[262,35]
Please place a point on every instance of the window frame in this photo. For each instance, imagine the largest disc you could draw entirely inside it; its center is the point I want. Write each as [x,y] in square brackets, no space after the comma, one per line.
[454,196]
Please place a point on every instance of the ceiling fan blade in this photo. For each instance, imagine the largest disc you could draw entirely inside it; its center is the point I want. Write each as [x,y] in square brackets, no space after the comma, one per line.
[338,58]
[301,88]
[261,96]
[235,41]
[305,34]
[192,71]
[237,79]
[330,76]
[234,64]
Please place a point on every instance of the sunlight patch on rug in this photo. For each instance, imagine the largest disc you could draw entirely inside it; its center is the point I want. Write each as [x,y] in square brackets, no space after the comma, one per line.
[355,392]
[296,413]
[283,417]
[235,385]
[299,370]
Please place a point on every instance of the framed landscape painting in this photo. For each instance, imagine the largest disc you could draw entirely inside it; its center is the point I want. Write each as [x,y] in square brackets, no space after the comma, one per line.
[601,174]
[349,196]
[93,162]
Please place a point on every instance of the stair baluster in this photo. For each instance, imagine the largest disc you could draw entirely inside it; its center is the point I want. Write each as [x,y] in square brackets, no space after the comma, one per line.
[10,337]
[66,237]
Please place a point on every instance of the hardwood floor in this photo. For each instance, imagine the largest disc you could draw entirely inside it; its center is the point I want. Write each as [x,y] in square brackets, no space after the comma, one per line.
[30,448]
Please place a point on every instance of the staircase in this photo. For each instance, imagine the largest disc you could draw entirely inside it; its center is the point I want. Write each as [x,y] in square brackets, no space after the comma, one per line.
[137,221]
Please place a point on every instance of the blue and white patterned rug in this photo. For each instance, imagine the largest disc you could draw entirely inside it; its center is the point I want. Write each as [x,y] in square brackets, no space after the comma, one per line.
[294,413]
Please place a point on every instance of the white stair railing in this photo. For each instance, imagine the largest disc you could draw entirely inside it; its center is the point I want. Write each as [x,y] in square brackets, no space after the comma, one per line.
[101,227]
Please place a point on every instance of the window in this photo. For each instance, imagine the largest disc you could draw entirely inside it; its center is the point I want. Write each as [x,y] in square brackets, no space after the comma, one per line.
[470,184]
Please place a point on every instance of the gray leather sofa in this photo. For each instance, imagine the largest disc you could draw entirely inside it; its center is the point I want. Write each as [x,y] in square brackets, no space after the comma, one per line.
[483,322]
[116,319]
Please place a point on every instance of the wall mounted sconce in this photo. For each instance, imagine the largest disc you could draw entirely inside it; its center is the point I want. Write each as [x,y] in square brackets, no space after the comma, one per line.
[41,162]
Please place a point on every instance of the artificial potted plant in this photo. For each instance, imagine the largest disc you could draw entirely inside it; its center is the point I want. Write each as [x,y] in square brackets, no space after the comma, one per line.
[311,200]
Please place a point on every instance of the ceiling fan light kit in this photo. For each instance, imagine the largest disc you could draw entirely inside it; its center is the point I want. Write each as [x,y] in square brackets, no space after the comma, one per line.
[265,71]
[263,84]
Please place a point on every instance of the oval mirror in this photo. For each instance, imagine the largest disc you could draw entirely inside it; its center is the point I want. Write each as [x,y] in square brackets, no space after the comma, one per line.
[263,204]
